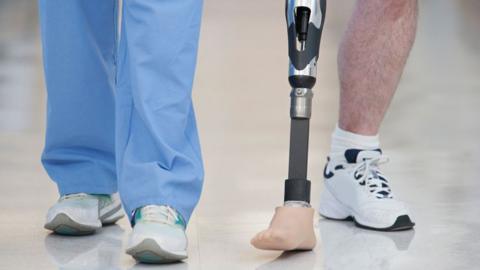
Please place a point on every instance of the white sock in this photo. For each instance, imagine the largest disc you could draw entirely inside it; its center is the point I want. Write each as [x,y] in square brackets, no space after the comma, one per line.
[343,140]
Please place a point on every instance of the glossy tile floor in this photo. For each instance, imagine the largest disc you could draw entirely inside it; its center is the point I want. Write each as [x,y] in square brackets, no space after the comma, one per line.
[431,134]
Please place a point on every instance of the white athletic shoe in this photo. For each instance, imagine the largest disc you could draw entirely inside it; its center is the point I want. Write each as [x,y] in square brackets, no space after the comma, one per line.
[81,213]
[356,190]
[158,235]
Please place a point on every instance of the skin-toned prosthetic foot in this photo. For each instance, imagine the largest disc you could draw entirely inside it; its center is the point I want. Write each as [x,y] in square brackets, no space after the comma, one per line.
[291,229]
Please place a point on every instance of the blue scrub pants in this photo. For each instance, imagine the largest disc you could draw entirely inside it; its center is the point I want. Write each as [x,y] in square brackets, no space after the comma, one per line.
[119,112]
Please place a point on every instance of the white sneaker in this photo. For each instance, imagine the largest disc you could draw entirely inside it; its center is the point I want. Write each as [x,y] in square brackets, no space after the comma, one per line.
[355,189]
[158,235]
[81,213]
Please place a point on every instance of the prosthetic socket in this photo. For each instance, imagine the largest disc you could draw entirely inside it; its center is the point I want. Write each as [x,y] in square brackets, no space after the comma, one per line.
[305,19]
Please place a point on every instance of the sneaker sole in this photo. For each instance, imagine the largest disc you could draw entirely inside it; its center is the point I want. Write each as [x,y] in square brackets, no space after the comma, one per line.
[64,225]
[148,251]
[402,223]
[334,207]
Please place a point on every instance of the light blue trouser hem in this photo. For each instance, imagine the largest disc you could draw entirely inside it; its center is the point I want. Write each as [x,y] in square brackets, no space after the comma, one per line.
[86,189]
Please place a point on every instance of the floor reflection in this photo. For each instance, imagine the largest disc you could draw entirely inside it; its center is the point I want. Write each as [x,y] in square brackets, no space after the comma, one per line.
[304,260]
[101,251]
[343,246]
[175,266]
[348,247]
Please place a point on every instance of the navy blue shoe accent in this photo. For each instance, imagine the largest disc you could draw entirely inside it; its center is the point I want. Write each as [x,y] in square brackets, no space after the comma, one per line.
[352,154]
[327,175]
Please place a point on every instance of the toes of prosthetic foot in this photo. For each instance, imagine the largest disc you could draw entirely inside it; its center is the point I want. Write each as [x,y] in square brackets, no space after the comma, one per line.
[274,240]
[291,229]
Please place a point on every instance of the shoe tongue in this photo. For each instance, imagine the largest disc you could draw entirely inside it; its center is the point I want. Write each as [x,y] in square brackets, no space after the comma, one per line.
[359,155]
[159,213]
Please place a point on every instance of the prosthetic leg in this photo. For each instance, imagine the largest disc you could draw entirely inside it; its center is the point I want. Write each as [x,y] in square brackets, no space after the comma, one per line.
[292,225]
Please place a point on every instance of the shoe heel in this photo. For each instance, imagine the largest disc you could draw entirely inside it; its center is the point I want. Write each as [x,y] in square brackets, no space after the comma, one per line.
[331,208]
[112,219]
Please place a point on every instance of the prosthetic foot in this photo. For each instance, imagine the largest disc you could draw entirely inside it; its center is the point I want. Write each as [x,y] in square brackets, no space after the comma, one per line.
[292,224]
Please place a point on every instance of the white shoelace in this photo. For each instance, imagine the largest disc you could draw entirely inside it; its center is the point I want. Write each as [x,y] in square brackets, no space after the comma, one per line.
[368,174]
[159,214]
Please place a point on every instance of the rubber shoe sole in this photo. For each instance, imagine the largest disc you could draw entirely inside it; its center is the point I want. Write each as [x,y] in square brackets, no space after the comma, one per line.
[402,223]
[331,208]
[64,225]
[148,251]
